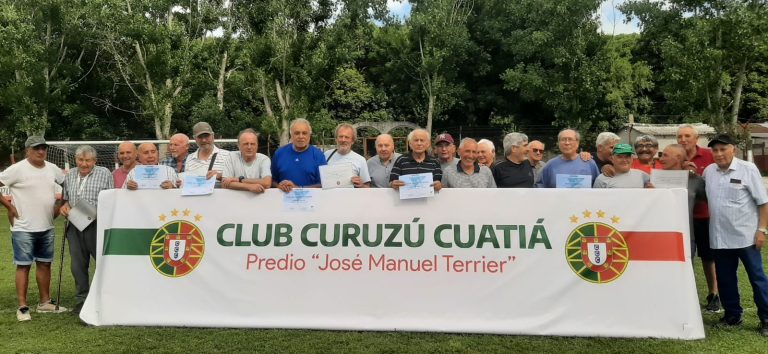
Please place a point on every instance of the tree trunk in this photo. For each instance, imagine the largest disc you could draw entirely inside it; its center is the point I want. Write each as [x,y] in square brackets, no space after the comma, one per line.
[741,77]
[222,76]
[285,107]
[430,112]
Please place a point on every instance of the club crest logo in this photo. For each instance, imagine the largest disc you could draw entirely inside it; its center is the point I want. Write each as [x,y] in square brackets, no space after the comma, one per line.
[177,247]
[596,251]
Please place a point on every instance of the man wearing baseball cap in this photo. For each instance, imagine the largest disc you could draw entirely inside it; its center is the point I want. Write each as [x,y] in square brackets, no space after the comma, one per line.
[445,151]
[208,159]
[33,183]
[738,210]
[625,176]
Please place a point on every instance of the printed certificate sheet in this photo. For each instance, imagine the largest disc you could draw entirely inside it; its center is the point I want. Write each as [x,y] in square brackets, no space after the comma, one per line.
[669,178]
[82,214]
[197,185]
[337,176]
[299,199]
[148,176]
[573,181]
[417,186]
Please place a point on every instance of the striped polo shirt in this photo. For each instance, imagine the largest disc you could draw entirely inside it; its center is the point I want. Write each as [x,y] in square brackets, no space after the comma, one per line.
[406,165]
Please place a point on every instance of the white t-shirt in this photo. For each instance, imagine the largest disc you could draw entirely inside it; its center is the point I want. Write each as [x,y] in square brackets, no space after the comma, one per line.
[359,165]
[34,194]
[235,166]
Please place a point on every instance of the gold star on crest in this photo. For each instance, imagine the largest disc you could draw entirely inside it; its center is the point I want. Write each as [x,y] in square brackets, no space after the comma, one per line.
[186,212]
[600,214]
[174,213]
[198,217]
[615,219]
[586,213]
[574,219]
[162,217]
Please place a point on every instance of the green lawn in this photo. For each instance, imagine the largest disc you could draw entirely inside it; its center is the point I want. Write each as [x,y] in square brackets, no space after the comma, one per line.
[56,333]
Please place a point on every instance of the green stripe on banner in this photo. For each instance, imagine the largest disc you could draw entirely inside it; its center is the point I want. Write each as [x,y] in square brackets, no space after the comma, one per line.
[128,242]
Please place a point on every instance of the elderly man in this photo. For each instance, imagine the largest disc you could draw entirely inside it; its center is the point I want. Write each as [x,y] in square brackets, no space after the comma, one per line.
[624,176]
[698,159]
[417,161]
[346,135]
[536,157]
[126,155]
[646,147]
[486,153]
[32,183]
[604,144]
[82,186]
[380,166]
[468,173]
[445,151]
[148,156]
[246,169]
[208,159]
[178,146]
[569,162]
[514,171]
[297,164]
[674,158]
[738,206]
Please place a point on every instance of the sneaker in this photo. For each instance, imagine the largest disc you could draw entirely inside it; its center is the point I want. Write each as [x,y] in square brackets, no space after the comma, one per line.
[763,330]
[50,306]
[22,314]
[713,303]
[730,321]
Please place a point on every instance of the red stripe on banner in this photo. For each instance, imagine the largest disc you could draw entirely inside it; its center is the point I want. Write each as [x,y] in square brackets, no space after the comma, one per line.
[655,245]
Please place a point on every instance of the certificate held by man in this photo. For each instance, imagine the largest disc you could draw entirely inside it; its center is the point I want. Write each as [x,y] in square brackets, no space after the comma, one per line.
[337,176]
[418,185]
[197,185]
[148,176]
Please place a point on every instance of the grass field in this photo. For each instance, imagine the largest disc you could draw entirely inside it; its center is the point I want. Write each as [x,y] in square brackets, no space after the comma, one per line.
[63,333]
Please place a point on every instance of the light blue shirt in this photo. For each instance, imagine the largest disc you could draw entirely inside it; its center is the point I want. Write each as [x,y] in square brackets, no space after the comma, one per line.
[734,195]
[559,165]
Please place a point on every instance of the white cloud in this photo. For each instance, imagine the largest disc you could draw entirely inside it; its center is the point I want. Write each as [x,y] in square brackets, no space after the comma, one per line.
[612,20]
[399,8]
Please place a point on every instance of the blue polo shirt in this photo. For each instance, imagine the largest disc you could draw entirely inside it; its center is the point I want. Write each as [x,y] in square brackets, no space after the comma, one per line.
[301,168]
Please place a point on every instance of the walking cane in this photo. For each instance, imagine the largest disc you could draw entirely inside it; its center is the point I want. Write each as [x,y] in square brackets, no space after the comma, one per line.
[61,264]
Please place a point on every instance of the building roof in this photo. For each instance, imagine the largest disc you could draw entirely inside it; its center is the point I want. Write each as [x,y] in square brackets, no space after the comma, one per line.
[659,130]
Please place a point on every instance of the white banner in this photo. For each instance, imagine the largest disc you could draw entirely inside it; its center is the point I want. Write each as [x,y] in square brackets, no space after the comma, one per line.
[514,261]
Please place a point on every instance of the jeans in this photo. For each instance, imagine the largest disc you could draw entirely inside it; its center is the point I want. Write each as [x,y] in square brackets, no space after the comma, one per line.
[726,265]
[32,246]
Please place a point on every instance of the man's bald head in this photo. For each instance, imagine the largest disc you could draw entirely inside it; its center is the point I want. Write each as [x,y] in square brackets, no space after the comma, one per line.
[148,154]
[673,157]
[126,154]
[178,145]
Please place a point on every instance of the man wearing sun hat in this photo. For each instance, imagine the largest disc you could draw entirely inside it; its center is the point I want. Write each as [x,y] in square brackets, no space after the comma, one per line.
[625,176]
[738,209]
[208,159]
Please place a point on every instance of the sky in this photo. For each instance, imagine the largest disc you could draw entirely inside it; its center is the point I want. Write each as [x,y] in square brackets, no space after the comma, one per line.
[611,19]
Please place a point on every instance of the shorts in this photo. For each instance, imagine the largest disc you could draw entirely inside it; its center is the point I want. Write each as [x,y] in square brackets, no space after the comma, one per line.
[31,247]
[701,236]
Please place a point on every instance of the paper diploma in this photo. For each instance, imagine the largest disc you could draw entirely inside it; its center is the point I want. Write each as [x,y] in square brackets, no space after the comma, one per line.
[148,176]
[417,186]
[669,178]
[82,214]
[197,185]
[299,199]
[573,181]
[337,176]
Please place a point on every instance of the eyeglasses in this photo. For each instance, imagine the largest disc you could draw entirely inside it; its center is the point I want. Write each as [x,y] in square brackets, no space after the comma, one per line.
[538,151]
[567,140]
[645,146]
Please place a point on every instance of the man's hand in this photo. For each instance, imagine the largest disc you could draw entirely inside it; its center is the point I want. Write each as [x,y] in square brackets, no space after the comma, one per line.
[585,156]
[132,185]
[167,185]
[396,184]
[437,185]
[759,240]
[64,210]
[212,173]
[649,185]
[227,182]
[286,186]
[358,182]
[690,166]
[255,188]
[608,170]
[13,214]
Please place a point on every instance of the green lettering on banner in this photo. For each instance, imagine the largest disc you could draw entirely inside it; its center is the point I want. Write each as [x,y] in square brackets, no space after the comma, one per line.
[128,242]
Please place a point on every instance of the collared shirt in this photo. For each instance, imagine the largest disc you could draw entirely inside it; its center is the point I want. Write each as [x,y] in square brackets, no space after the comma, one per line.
[77,188]
[194,165]
[118,176]
[734,195]
[508,174]
[407,165]
[702,159]
[637,165]
[380,170]
[235,166]
[481,177]
[537,169]
[359,166]
[170,161]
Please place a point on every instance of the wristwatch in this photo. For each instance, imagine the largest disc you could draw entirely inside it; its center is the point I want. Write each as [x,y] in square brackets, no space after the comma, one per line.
[764,231]
[240,179]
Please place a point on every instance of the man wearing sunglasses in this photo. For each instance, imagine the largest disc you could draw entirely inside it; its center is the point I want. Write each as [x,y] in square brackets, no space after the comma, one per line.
[536,157]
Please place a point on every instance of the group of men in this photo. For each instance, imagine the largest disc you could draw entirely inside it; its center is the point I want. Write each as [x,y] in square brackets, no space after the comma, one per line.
[727,200]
